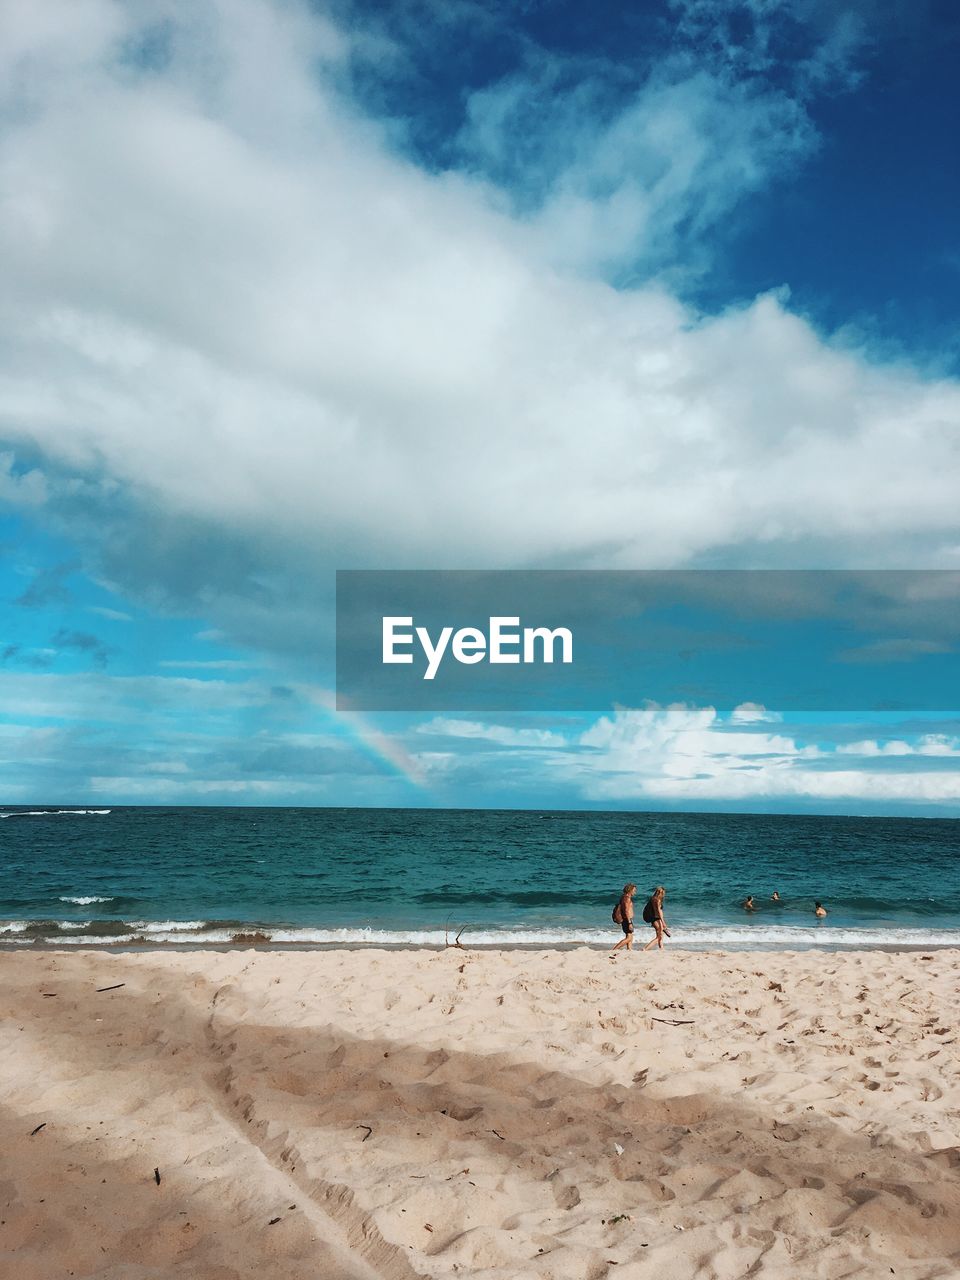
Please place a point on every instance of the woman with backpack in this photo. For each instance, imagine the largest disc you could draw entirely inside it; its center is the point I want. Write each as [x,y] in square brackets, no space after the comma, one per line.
[623,916]
[653,916]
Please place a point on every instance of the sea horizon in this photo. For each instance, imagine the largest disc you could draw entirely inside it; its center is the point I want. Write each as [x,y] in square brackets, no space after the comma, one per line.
[325,876]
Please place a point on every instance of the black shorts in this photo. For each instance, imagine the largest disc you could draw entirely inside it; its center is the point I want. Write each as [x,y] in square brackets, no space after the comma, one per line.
[627,927]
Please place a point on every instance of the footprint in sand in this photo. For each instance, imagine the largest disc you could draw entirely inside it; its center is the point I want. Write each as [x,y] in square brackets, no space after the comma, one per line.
[929,1092]
[786,1132]
[458,1112]
[567,1197]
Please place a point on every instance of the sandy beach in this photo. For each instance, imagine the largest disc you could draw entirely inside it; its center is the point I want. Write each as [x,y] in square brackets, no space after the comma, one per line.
[479,1113]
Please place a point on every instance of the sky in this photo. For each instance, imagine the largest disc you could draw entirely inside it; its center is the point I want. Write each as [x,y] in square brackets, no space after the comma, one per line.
[290,288]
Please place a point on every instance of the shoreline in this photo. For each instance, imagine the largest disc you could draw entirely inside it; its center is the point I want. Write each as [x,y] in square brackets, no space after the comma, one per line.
[200,931]
[48,947]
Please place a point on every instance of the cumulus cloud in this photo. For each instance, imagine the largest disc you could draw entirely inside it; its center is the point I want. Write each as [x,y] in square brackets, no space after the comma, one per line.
[683,753]
[689,755]
[928,744]
[246,339]
[752,713]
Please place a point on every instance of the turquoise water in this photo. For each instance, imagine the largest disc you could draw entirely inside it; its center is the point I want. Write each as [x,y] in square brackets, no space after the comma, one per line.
[198,875]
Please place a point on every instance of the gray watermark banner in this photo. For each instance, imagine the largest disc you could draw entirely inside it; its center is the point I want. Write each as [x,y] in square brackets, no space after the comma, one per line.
[553,640]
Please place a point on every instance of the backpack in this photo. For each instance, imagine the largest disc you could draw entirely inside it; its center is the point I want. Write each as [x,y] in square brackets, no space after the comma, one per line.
[648,913]
[617,916]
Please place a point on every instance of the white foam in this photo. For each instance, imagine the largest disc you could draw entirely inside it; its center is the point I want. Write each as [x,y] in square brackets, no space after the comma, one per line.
[86,901]
[699,936]
[438,937]
[53,813]
[95,940]
[165,926]
[695,937]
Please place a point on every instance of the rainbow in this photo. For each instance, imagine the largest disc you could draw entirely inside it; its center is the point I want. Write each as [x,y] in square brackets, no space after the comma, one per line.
[381,746]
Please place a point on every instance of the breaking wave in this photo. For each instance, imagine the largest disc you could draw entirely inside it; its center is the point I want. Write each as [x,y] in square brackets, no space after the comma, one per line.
[156,933]
[53,813]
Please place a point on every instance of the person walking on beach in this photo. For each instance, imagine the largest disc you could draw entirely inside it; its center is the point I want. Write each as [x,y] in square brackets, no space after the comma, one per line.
[623,916]
[653,916]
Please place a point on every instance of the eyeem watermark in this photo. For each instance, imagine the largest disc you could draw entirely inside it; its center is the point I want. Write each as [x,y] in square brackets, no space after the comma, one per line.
[777,640]
[504,642]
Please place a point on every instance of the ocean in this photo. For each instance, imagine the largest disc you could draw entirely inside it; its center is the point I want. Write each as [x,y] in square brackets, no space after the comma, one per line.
[203,876]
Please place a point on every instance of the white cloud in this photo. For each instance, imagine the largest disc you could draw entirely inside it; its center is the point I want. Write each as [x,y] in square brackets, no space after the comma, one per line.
[688,755]
[252,790]
[235,319]
[753,713]
[218,664]
[112,615]
[21,488]
[870,747]
[929,744]
[682,753]
[684,743]
[504,735]
[640,181]
[89,697]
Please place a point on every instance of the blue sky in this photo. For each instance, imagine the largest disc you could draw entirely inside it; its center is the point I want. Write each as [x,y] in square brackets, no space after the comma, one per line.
[293,288]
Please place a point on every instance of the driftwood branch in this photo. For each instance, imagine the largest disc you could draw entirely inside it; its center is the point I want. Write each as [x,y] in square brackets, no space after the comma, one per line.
[456,942]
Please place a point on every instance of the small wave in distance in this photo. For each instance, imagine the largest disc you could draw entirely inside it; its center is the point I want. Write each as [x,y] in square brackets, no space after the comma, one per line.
[54,813]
